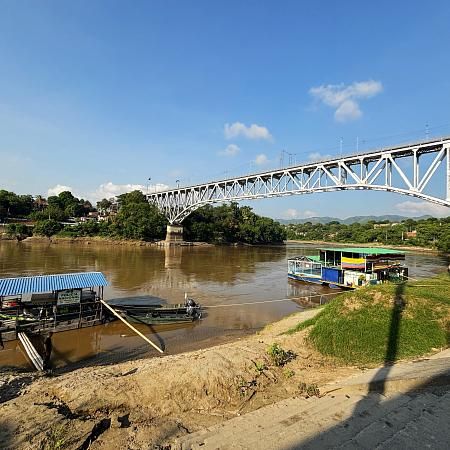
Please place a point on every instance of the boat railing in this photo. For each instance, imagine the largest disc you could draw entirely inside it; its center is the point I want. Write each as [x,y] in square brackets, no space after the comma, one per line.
[48,319]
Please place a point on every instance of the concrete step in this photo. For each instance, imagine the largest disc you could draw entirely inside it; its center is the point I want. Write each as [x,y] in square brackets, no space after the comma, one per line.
[430,427]
[392,418]
[368,411]
[281,410]
[397,421]
[297,415]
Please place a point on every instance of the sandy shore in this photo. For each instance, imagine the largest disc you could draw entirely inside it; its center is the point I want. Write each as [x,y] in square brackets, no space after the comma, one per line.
[148,402]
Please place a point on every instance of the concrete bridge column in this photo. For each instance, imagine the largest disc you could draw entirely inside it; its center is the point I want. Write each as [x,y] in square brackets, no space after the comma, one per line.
[174,233]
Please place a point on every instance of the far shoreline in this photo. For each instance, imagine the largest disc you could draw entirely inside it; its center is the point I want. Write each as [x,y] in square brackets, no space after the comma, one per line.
[359,244]
[87,240]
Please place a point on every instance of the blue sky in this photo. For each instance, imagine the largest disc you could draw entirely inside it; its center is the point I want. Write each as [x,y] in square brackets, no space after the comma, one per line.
[99,96]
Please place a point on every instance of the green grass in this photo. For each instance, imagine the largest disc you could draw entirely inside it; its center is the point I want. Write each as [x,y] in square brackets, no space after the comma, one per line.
[369,326]
[302,325]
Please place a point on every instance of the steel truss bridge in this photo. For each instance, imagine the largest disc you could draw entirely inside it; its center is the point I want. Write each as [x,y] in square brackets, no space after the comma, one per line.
[405,169]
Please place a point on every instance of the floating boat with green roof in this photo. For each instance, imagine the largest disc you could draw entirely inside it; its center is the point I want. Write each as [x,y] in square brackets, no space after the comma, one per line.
[349,267]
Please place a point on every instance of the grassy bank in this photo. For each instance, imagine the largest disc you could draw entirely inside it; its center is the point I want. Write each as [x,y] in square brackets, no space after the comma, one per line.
[382,324]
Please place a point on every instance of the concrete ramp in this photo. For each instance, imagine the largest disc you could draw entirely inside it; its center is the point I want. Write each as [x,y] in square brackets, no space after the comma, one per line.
[31,352]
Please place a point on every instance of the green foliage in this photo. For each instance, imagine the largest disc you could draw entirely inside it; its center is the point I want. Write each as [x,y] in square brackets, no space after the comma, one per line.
[137,219]
[103,205]
[243,386]
[302,325]
[13,205]
[310,390]
[431,232]
[288,373]
[56,438]
[50,212]
[369,327]
[260,366]
[62,206]
[231,223]
[18,230]
[131,197]
[87,229]
[47,228]
[278,356]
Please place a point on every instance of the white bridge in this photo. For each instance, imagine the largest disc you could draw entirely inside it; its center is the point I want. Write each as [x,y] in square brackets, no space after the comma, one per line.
[405,169]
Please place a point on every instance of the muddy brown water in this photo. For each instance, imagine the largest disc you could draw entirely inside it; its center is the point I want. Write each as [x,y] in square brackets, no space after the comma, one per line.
[223,279]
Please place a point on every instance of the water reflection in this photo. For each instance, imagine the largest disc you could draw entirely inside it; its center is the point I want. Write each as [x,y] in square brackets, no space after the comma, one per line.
[215,276]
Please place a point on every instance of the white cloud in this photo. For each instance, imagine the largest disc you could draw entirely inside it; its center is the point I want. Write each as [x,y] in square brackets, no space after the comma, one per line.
[252,132]
[344,98]
[231,150]
[109,189]
[292,213]
[261,159]
[348,110]
[316,156]
[412,208]
[56,190]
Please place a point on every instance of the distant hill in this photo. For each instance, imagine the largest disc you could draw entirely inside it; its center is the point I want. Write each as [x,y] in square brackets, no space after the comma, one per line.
[353,219]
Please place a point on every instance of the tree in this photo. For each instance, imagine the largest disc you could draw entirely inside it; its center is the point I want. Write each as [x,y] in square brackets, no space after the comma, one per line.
[51,212]
[18,230]
[131,197]
[104,205]
[66,198]
[13,205]
[54,201]
[47,228]
[231,223]
[137,219]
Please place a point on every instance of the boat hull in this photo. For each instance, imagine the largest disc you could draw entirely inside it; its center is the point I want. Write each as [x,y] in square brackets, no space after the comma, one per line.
[318,280]
[160,314]
[149,320]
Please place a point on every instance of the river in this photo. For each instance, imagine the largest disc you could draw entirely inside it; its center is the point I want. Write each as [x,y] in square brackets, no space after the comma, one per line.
[223,279]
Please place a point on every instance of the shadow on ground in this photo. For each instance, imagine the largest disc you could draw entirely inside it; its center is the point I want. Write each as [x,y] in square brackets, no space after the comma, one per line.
[5,436]
[381,418]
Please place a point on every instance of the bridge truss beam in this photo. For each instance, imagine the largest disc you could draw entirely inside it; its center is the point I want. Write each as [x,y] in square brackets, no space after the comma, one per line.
[395,169]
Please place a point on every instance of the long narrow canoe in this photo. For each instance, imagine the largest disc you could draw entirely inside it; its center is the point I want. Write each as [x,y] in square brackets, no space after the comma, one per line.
[159,314]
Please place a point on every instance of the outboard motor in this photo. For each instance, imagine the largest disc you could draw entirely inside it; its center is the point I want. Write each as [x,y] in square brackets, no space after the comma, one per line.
[192,309]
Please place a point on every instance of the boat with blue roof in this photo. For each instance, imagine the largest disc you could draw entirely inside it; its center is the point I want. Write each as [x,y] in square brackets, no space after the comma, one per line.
[349,267]
[58,302]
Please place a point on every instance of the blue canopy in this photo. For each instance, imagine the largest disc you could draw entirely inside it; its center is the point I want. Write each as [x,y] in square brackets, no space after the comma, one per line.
[50,283]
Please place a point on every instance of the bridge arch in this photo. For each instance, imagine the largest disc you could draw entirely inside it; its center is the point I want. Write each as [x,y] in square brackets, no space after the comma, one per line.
[376,170]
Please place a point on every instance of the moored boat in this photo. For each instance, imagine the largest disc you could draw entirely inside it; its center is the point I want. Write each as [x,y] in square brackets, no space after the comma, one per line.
[160,313]
[349,267]
[43,303]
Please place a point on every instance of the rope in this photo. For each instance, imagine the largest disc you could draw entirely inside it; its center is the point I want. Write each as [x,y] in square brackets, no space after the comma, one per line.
[269,301]
[303,297]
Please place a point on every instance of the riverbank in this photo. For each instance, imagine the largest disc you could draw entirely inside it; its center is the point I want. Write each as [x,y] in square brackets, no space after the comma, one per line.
[54,240]
[146,402]
[359,244]
[384,323]
[138,243]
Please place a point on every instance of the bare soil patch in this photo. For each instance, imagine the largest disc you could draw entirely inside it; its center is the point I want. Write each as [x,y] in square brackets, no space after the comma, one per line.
[148,402]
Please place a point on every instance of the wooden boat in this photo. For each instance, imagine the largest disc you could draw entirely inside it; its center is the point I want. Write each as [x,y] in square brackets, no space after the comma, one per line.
[349,267]
[160,313]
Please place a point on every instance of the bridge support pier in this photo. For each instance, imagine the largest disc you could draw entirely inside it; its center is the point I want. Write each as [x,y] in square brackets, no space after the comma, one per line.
[174,233]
